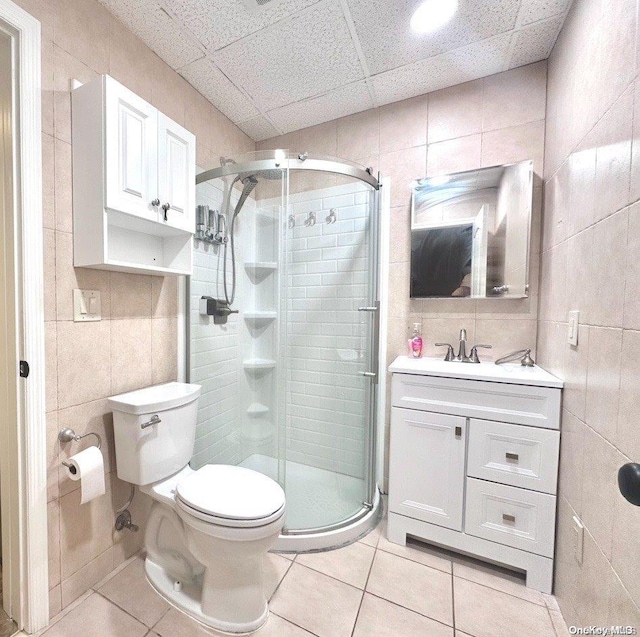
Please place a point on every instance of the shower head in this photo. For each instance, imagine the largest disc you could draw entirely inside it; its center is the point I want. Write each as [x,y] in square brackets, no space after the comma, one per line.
[249,184]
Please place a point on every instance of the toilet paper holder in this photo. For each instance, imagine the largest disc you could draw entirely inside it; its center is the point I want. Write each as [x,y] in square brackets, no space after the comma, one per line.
[69,435]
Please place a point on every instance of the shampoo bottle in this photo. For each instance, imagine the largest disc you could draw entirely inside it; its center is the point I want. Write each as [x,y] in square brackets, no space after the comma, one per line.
[415,342]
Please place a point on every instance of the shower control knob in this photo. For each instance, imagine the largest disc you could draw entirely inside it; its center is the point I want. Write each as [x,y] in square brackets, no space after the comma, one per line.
[155,202]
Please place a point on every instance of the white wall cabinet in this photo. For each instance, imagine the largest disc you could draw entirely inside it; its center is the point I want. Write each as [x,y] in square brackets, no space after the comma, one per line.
[133,183]
[482,486]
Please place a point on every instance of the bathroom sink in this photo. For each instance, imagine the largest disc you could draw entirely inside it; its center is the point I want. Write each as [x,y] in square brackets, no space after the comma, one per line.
[512,373]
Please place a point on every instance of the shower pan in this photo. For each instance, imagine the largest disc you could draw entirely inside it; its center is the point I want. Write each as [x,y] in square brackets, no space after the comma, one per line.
[290,381]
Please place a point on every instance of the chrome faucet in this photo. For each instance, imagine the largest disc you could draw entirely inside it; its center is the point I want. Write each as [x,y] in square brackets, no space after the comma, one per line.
[462,356]
[462,348]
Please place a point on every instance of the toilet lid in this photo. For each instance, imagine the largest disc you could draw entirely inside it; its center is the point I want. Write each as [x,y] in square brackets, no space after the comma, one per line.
[231,492]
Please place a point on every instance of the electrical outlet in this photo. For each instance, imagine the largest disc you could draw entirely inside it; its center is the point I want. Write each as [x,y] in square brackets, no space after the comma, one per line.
[574,323]
[578,539]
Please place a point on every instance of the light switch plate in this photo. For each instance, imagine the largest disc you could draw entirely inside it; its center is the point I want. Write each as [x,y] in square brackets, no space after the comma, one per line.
[578,530]
[574,326]
[87,305]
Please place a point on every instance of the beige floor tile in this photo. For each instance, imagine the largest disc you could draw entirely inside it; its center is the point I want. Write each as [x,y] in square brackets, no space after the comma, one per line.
[278,627]
[350,564]
[558,623]
[417,552]
[373,536]
[130,590]
[97,617]
[486,612]
[414,586]
[316,602]
[275,568]
[380,618]
[495,578]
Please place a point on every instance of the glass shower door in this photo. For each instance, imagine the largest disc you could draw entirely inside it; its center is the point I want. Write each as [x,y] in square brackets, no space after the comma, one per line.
[328,343]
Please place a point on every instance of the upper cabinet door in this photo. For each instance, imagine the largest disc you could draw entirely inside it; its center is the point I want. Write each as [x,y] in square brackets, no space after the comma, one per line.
[176,174]
[131,179]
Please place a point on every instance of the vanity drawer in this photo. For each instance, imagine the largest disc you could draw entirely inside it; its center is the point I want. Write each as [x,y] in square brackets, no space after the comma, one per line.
[513,454]
[519,404]
[515,517]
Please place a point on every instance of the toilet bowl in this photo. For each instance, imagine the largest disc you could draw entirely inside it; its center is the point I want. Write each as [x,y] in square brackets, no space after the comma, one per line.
[208,530]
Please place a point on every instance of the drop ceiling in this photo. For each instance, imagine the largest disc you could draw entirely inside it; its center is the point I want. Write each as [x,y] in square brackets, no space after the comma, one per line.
[275,66]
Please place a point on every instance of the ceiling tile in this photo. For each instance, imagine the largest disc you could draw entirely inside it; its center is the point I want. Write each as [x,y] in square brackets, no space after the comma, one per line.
[204,76]
[307,54]
[454,67]
[338,103]
[217,23]
[388,42]
[535,10]
[534,43]
[157,30]
[258,128]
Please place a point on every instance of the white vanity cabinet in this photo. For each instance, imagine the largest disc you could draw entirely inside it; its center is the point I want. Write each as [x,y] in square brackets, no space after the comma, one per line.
[133,183]
[474,461]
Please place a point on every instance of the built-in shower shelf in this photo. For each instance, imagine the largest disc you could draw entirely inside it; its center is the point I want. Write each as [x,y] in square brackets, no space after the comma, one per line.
[259,363]
[257,409]
[260,269]
[260,317]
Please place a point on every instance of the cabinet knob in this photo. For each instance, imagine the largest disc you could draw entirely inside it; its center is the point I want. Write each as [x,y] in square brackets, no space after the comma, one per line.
[155,202]
[166,207]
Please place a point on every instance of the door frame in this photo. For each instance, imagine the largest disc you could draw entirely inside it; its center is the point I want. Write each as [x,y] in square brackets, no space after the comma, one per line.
[23,441]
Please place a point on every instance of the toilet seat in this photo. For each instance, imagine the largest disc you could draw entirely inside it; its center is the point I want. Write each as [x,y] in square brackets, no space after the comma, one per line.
[231,496]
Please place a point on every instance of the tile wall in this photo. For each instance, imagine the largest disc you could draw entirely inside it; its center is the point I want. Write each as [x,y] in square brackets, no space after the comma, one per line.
[135,343]
[590,263]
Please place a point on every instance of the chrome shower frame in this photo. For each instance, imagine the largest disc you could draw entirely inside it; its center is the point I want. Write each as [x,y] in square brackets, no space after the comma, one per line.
[359,524]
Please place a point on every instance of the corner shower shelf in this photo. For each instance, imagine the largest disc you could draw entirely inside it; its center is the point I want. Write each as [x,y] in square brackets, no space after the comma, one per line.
[257,409]
[258,363]
[260,269]
[258,317]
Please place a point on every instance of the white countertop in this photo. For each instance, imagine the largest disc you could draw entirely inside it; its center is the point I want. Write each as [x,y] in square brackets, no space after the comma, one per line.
[512,373]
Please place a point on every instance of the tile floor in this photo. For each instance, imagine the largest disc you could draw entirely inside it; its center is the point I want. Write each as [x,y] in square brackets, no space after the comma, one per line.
[372,588]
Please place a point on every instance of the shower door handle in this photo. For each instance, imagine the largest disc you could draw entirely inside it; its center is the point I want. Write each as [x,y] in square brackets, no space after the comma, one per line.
[375,339]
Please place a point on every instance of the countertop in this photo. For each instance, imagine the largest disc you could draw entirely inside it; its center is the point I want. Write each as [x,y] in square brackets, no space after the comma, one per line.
[512,373]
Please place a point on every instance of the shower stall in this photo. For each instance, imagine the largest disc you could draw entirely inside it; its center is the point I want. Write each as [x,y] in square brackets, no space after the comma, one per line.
[286,250]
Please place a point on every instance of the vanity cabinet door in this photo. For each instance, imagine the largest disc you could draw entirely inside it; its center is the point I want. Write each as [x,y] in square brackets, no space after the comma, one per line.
[426,466]
[176,174]
[131,155]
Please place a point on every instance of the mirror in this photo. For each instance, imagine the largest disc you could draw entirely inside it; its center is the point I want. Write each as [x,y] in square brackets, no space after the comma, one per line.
[470,233]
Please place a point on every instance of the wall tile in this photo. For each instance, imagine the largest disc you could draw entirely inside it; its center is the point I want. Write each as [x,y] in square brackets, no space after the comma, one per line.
[51,361]
[403,124]
[164,296]
[454,155]
[69,278]
[403,167]
[164,351]
[48,183]
[53,447]
[358,135]
[514,144]
[130,354]
[63,186]
[603,380]
[131,295]
[627,436]
[84,373]
[456,111]
[515,97]
[505,336]
[625,556]
[632,271]
[572,466]
[84,578]
[53,529]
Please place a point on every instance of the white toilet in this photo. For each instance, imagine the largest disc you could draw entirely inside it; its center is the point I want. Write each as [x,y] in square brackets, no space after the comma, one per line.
[208,530]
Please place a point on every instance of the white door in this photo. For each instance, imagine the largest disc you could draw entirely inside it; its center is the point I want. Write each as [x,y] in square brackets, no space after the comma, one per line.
[426,466]
[131,180]
[176,174]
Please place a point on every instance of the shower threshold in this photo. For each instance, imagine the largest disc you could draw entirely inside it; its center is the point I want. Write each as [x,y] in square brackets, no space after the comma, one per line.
[328,505]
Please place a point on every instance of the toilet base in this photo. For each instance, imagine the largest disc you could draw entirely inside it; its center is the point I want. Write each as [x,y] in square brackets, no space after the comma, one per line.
[187,600]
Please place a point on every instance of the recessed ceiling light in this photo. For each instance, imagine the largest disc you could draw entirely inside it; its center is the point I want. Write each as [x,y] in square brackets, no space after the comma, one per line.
[433,14]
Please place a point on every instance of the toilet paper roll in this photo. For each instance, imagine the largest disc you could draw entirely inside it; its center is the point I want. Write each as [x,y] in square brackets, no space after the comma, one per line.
[88,467]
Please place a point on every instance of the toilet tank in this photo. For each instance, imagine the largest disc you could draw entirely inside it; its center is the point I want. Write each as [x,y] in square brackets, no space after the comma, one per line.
[154,430]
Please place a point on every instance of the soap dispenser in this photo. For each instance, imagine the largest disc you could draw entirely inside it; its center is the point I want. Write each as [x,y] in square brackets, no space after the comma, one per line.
[415,342]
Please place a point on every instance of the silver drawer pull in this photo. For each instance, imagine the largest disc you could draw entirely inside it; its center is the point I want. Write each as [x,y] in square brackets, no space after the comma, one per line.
[154,420]
[512,456]
[458,432]
[508,518]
